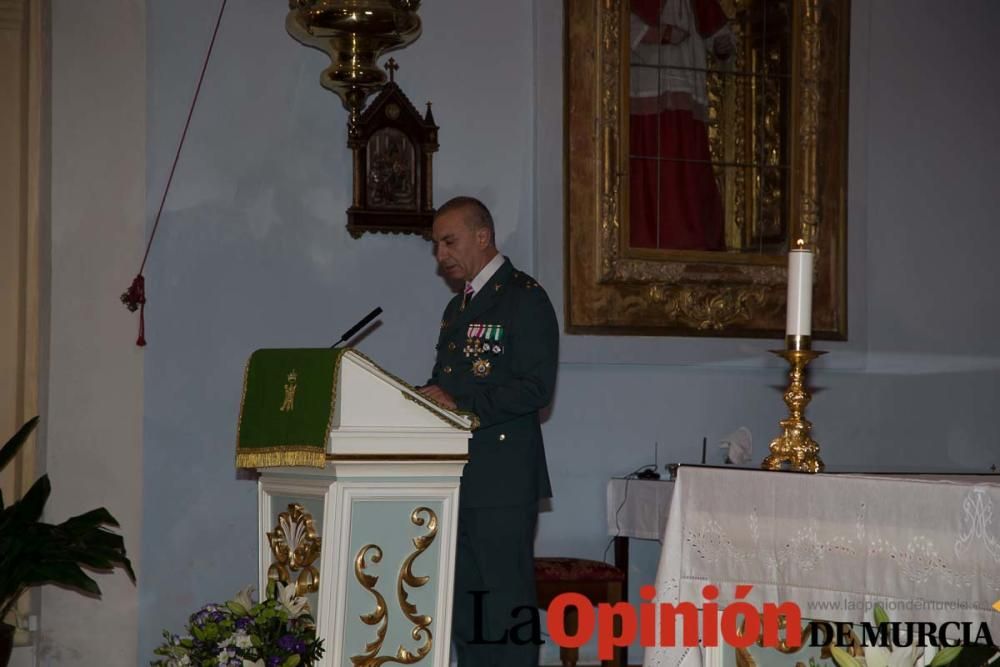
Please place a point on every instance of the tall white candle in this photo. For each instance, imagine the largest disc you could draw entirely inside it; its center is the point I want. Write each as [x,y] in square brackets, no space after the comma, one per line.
[798,320]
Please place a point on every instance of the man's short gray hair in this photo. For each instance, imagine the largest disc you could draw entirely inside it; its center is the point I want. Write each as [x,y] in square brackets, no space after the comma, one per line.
[477,215]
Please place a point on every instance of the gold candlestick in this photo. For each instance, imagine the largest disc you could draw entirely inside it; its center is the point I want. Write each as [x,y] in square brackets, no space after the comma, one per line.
[794,446]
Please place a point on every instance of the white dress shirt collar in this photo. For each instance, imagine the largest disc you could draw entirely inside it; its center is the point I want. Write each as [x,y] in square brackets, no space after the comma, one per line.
[486,273]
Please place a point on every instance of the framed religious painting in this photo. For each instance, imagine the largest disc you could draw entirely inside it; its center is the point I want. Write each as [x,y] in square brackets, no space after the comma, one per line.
[703,139]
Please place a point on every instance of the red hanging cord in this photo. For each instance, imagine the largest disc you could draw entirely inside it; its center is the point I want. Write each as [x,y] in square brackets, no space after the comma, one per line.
[134,297]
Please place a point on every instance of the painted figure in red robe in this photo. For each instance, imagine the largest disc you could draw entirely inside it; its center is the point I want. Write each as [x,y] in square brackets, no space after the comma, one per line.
[674,198]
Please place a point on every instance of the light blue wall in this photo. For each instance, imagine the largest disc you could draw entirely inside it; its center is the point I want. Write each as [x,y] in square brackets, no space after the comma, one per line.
[252,252]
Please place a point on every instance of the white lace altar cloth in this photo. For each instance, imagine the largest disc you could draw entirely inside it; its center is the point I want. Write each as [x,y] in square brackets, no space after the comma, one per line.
[926,549]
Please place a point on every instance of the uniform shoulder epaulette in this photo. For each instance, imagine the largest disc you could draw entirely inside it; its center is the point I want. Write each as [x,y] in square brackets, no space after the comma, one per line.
[524,281]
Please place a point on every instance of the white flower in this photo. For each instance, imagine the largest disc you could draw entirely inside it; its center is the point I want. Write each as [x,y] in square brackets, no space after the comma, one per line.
[255,663]
[225,654]
[294,605]
[879,656]
[244,599]
[242,640]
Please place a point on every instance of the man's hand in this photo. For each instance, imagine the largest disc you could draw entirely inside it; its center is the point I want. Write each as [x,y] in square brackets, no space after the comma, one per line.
[438,395]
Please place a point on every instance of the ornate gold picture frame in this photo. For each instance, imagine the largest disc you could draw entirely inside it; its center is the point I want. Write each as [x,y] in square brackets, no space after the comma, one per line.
[800,130]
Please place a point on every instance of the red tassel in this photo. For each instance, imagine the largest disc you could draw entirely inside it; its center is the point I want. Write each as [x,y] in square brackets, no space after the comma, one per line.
[134,299]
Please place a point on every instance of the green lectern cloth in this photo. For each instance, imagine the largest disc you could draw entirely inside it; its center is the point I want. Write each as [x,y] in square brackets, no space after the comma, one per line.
[287,407]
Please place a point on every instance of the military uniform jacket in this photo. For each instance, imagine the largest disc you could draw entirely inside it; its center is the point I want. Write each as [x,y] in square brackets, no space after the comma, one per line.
[497,357]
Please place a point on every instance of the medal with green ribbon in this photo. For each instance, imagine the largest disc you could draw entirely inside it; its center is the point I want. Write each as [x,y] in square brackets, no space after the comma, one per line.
[483,339]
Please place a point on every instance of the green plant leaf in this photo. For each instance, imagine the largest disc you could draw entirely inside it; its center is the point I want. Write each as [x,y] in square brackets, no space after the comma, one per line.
[945,655]
[291,661]
[9,450]
[236,608]
[34,553]
[880,616]
[62,573]
[29,508]
[843,658]
[98,517]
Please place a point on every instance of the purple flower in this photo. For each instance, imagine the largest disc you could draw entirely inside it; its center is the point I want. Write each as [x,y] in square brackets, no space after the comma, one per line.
[300,646]
[209,612]
[243,623]
[273,661]
[287,642]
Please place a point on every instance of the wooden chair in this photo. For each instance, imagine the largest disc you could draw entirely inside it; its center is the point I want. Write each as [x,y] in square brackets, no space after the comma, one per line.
[597,581]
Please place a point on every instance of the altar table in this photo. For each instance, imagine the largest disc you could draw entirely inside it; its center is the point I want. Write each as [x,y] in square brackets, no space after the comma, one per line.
[836,544]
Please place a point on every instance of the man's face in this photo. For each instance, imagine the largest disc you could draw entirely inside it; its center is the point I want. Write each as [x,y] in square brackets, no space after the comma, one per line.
[460,250]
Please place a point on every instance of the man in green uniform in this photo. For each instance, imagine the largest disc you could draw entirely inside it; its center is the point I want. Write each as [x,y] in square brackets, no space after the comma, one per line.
[496,358]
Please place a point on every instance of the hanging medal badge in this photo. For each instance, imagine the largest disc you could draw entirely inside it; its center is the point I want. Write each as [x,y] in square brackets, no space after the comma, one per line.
[481,367]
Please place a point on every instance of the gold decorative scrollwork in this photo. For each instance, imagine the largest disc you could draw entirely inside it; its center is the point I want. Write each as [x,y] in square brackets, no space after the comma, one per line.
[809,113]
[709,309]
[611,148]
[379,616]
[421,622]
[745,128]
[295,546]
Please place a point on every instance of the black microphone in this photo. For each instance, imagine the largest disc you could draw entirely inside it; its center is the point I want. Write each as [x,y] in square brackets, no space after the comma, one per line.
[357,327]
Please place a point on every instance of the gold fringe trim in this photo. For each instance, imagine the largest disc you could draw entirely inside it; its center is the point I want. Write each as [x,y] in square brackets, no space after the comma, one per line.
[333,398]
[304,455]
[243,400]
[273,457]
[287,455]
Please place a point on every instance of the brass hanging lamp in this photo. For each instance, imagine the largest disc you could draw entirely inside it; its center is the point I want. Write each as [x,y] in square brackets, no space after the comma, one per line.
[355,34]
